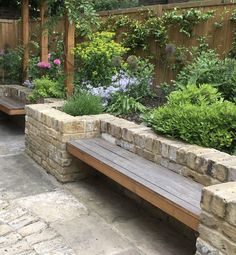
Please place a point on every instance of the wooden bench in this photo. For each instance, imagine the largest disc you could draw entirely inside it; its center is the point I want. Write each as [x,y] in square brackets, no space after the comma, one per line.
[167,190]
[11,106]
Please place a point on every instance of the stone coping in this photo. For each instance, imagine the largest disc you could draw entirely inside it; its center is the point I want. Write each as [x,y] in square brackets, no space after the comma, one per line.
[204,165]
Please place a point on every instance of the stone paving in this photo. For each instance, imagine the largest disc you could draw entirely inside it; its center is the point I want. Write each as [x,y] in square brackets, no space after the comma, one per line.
[40,216]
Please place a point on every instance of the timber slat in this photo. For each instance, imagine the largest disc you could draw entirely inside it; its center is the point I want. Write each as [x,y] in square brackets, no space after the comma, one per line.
[11,106]
[172,193]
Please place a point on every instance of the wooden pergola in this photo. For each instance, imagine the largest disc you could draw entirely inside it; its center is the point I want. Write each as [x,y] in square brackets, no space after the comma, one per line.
[69,41]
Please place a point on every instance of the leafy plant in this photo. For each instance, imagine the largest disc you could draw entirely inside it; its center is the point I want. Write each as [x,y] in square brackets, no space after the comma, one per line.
[10,62]
[46,88]
[209,68]
[198,116]
[122,104]
[187,19]
[83,104]
[96,57]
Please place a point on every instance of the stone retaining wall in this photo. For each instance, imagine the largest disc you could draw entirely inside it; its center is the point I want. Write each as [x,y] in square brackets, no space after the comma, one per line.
[217,231]
[48,130]
[15,91]
[204,165]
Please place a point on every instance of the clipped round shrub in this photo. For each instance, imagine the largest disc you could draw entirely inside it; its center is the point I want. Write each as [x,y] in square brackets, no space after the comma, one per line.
[202,118]
[83,104]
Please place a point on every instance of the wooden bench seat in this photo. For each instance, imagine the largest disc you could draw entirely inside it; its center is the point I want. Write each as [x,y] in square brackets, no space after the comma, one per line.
[11,106]
[169,191]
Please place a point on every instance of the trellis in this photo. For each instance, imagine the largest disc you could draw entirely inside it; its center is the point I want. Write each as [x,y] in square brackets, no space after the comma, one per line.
[69,41]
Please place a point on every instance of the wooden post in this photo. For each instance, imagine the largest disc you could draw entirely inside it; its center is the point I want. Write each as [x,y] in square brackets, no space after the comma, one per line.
[25,38]
[44,33]
[69,43]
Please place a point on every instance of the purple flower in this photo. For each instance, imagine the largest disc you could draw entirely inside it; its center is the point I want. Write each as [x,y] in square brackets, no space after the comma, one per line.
[44,65]
[57,61]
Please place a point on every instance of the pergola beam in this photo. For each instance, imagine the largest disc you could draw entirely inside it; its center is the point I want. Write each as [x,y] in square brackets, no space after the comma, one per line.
[25,38]
[44,32]
[69,43]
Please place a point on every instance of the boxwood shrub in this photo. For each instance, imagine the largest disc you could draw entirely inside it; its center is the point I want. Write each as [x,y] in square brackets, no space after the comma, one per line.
[197,115]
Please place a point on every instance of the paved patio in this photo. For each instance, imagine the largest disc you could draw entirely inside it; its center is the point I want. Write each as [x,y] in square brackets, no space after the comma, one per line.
[40,216]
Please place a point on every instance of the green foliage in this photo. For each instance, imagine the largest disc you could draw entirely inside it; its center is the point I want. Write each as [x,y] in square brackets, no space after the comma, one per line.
[122,104]
[187,19]
[11,62]
[102,5]
[96,56]
[209,68]
[83,104]
[142,77]
[136,34]
[46,88]
[197,116]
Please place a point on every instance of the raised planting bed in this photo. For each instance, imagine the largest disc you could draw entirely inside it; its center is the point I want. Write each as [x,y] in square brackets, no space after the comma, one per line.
[48,130]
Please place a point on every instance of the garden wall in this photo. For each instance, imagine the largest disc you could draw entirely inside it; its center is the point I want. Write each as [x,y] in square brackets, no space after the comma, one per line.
[15,91]
[48,129]
[218,220]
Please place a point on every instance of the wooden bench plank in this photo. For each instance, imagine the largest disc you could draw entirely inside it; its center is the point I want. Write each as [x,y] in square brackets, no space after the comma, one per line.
[161,187]
[169,176]
[11,106]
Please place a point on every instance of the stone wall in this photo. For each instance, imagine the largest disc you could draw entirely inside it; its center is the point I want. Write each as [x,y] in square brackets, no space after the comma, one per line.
[15,91]
[47,131]
[217,231]
[204,165]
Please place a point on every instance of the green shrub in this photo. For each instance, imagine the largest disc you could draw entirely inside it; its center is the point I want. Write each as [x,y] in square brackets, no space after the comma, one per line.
[197,116]
[122,104]
[95,58]
[83,104]
[209,68]
[46,88]
[11,63]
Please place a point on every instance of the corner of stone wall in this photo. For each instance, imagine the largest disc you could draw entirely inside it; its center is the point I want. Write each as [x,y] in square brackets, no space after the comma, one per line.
[217,230]
[47,132]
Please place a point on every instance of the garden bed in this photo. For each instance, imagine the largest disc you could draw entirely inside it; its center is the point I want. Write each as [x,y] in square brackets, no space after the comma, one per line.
[48,129]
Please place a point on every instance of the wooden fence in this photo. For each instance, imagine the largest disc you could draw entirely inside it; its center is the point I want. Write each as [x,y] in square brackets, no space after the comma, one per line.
[218,37]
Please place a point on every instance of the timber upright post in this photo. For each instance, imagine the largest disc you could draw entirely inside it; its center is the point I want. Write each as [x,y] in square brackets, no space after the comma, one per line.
[25,38]
[69,43]
[44,33]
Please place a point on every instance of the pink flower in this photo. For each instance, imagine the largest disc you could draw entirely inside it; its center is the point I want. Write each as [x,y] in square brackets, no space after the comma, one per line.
[57,61]
[44,65]
[49,55]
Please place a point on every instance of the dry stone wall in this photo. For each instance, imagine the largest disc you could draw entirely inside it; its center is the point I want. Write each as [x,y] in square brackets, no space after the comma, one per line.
[217,231]
[15,91]
[204,165]
[48,129]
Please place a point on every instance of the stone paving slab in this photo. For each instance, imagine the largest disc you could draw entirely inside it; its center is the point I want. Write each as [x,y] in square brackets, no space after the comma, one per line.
[39,216]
